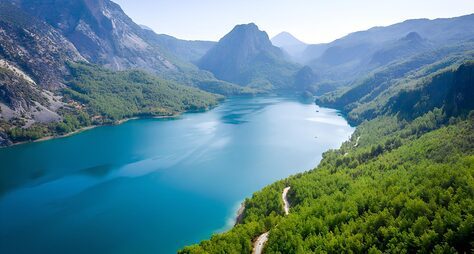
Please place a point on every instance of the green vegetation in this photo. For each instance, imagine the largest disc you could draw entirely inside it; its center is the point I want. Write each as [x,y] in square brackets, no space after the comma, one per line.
[404,183]
[72,120]
[376,93]
[118,95]
[97,96]
[407,187]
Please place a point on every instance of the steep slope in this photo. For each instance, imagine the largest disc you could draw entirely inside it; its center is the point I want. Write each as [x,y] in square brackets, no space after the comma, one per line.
[190,51]
[34,46]
[103,34]
[247,57]
[409,45]
[361,52]
[369,95]
[403,183]
[289,44]
[33,58]
[41,44]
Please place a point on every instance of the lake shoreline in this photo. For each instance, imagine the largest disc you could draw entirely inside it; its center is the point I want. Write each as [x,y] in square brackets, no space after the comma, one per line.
[87,128]
[205,163]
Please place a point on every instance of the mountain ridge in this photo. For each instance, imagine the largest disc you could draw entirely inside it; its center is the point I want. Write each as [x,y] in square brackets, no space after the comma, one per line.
[247,57]
[289,43]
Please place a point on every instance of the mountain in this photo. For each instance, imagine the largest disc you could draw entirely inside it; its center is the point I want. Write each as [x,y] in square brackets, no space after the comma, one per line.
[408,88]
[289,44]
[247,57]
[103,34]
[363,51]
[33,60]
[41,45]
[370,95]
[409,45]
[190,51]
[312,52]
[394,185]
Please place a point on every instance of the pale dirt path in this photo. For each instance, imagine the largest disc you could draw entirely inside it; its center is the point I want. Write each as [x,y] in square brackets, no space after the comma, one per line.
[285,200]
[263,238]
[258,245]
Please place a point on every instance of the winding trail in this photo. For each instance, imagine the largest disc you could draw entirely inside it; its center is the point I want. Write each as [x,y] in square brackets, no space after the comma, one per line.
[263,238]
[285,200]
[258,245]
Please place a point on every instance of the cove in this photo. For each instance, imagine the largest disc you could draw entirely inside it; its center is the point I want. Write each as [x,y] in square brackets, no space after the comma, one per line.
[156,185]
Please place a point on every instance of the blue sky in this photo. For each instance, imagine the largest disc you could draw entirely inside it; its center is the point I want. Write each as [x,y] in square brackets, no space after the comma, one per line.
[312,21]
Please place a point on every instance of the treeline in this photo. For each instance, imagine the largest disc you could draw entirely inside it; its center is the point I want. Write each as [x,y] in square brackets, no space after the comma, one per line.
[404,183]
[413,86]
[95,95]
[117,95]
[410,191]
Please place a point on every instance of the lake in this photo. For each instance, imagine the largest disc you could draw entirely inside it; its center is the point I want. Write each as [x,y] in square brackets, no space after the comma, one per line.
[156,185]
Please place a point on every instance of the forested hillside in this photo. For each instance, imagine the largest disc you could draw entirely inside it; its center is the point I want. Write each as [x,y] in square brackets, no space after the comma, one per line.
[434,74]
[404,183]
[95,95]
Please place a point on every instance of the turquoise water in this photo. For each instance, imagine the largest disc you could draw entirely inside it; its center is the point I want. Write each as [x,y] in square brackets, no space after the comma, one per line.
[156,185]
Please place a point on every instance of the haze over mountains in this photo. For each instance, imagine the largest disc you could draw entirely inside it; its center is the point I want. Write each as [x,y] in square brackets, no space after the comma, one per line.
[289,43]
[247,57]
[403,183]
[42,39]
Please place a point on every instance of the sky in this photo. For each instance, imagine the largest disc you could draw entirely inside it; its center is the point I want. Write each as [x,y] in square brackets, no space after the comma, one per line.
[312,21]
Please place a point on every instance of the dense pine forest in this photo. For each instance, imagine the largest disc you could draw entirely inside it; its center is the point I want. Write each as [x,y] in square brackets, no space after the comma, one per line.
[404,183]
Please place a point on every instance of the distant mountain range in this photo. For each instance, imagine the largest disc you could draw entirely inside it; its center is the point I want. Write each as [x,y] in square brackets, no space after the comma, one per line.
[361,52]
[42,44]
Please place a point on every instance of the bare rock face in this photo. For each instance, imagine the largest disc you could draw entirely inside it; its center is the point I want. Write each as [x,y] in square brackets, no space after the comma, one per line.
[34,47]
[33,62]
[40,38]
[22,99]
[246,56]
[101,32]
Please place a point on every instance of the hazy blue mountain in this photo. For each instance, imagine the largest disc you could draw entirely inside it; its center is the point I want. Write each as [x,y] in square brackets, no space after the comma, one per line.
[369,95]
[363,51]
[289,44]
[312,51]
[146,27]
[406,46]
[247,57]
[183,49]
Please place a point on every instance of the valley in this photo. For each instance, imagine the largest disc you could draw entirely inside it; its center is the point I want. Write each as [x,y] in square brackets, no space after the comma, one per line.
[149,143]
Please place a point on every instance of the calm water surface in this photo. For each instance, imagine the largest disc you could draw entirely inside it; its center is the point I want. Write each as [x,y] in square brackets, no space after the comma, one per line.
[155,185]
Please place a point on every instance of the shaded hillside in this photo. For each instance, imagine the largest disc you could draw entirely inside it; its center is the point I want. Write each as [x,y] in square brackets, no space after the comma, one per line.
[247,57]
[95,95]
[361,52]
[370,95]
[40,40]
[403,183]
